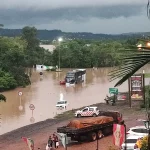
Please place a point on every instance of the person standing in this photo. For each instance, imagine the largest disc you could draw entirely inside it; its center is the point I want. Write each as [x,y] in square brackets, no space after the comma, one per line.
[55,140]
[50,142]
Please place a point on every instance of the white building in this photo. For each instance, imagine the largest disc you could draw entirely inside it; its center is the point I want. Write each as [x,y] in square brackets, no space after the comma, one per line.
[50,48]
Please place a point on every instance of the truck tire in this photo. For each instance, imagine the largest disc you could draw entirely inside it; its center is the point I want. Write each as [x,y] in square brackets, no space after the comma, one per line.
[94,115]
[99,134]
[78,115]
[92,136]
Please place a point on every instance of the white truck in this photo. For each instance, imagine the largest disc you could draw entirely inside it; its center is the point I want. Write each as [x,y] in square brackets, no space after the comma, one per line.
[62,104]
[87,112]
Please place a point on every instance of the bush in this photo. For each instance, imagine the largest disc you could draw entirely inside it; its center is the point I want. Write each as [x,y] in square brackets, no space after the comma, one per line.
[48,69]
[143,143]
[2,98]
[21,78]
[7,81]
[53,69]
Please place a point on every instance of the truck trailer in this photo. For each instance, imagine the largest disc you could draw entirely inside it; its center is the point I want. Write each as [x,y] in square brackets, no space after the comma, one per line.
[92,128]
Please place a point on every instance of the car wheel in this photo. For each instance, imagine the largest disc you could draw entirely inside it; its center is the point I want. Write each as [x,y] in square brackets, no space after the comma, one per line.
[79,115]
[100,134]
[92,136]
[94,115]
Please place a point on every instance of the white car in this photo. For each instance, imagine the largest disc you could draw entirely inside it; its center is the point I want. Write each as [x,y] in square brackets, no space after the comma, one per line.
[62,104]
[131,143]
[87,112]
[137,131]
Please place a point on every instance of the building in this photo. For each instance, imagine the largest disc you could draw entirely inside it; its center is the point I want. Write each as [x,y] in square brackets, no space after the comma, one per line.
[50,48]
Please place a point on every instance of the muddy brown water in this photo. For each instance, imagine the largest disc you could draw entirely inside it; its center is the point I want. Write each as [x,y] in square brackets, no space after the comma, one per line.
[44,94]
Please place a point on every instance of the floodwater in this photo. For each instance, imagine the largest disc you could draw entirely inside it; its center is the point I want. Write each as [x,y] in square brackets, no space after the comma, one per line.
[44,94]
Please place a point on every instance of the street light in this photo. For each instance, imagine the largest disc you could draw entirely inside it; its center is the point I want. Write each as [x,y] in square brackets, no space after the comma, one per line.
[147,125]
[148,44]
[60,39]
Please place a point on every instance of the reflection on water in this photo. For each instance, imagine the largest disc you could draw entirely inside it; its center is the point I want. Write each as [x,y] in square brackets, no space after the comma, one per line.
[44,94]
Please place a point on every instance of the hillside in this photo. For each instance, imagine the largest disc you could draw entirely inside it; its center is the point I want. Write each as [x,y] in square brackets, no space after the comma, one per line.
[53,34]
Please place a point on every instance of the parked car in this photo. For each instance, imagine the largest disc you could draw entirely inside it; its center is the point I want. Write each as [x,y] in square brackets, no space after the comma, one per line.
[131,143]
[137,131]
[87,111]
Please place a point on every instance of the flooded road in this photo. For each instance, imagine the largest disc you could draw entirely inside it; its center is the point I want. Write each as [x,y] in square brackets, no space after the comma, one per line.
[44,94]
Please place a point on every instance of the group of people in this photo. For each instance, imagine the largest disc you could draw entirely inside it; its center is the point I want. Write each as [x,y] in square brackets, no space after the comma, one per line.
[53,142]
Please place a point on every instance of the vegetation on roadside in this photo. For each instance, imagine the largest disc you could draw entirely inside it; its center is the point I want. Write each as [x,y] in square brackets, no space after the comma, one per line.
[66,115]
[143,143]
[147,75]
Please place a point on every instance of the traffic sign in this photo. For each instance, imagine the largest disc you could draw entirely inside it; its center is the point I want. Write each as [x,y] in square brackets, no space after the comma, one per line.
[32,107]
[32,120]
[113,90]
[19,93]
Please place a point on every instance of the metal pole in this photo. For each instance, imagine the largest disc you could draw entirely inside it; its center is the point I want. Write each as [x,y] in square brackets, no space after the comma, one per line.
[20,100]
[97,142]
[125,137]
[144,88]
[148,131]
[129,97]
[59,56]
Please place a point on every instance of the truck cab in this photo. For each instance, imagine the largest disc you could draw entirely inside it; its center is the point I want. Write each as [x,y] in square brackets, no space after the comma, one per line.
[87,112]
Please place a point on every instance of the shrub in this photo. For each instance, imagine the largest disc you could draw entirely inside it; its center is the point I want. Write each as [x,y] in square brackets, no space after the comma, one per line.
[144,143]
[2,98]
[7,81]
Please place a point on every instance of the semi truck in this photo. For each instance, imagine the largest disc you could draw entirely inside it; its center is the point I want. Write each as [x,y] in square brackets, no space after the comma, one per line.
[91,128]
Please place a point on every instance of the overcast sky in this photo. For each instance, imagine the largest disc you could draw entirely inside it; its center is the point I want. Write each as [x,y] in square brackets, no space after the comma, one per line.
[97,16]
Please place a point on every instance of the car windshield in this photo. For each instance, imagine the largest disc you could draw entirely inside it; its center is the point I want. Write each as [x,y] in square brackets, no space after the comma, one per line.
[70,75]
[62,102]
[140,130]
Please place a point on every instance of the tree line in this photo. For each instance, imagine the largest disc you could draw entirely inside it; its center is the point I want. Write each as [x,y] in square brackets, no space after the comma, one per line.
[19,54]
[53,34]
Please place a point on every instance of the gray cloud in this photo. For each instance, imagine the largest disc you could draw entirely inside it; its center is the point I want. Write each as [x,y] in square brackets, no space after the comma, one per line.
[72,15]
[51,4]
[14,16]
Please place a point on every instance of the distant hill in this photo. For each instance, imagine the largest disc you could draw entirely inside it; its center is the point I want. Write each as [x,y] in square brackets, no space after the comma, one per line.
[53,34]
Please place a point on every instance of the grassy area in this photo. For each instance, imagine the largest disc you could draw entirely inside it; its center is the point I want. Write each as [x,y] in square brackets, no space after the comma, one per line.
[147,75]
[65,115]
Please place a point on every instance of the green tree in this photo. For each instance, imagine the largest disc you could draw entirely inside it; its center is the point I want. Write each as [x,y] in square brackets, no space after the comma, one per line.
[78,53]
[30,35]
[7,81]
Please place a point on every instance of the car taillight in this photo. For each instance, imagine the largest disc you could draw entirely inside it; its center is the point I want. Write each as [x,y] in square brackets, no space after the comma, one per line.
[135,146]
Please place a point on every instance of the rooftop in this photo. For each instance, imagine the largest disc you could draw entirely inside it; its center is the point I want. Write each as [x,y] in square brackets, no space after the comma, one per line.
[50,48]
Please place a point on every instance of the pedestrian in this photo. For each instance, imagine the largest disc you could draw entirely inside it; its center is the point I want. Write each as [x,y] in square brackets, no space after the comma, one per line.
[55,140]
[49,143]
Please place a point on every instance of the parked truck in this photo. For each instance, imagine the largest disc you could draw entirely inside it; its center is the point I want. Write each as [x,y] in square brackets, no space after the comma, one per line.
[92,128]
